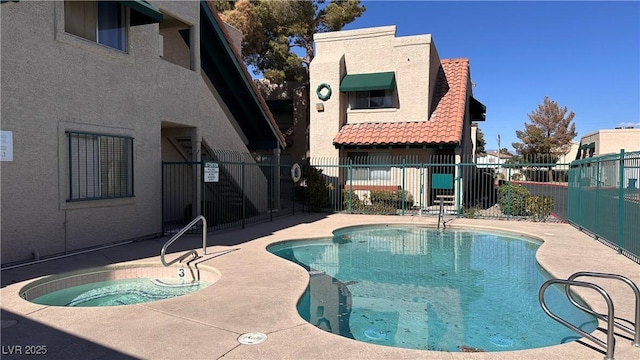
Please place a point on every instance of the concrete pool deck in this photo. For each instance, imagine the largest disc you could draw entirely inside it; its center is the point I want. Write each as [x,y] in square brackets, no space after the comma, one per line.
[258,292]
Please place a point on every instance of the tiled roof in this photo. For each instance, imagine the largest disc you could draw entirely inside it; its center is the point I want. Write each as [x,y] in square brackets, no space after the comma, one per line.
[443,127]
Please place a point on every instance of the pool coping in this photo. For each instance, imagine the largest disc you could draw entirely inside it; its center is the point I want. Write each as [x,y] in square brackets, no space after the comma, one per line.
[257,292]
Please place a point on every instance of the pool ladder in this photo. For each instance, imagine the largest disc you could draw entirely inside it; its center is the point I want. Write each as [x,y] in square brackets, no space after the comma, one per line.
[193,253]
[610,344]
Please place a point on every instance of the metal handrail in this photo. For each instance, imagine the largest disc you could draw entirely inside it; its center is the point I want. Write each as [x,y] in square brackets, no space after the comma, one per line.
[610,345]
[180,233]
[636,330]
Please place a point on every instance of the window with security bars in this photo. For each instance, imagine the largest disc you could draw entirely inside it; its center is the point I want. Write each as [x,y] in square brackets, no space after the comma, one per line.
[100,166]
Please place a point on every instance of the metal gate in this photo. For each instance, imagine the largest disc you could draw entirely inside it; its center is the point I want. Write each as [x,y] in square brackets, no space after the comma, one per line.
[227,193]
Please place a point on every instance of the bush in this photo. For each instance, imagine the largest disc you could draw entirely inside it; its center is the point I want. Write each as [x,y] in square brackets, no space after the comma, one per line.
[316,196]
[539,207]
[357,204]
[381,209]
[516,176]
[471,212]
[513,199]
[392,198]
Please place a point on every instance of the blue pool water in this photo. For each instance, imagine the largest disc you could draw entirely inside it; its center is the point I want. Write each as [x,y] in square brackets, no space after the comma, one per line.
[424,288]
[119,292]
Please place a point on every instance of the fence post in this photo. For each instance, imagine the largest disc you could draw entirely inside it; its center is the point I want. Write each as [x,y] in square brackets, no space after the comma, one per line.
[459,187]
[421,188]
[597,207]
[350,184]
[508,193]
[403,185]
[621,204]
[242,192]
[273,183]
[580,192]
[163,198]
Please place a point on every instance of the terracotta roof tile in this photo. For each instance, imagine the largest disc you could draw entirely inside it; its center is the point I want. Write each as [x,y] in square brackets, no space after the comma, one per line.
[443,127]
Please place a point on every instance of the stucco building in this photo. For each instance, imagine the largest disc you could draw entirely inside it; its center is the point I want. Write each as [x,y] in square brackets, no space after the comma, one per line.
[608,141]
[376,95]
[95,97]
[611,142]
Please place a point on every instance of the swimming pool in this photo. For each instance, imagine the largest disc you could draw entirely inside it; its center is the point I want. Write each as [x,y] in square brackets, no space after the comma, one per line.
[424,288]
[116,285]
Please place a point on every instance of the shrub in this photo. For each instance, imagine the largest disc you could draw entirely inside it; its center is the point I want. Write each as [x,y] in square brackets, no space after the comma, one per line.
[516,176]
[392,198]
[539,207]
[357,204]
[381,208]
[316,196]
[513,199]
[470,212]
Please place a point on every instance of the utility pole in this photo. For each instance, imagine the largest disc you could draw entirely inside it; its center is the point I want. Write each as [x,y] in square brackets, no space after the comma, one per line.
[499,148]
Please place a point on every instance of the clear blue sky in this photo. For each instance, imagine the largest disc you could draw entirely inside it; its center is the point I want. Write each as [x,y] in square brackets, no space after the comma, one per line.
[583,55]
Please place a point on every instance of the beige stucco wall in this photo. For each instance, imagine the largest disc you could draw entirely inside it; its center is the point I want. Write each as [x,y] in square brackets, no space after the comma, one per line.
[571,155]
[414,60]
[611,141]
[54,82]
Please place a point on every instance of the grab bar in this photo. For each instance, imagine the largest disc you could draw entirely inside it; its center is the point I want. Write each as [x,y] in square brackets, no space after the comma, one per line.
[636,330]
[610,345]
[180,233]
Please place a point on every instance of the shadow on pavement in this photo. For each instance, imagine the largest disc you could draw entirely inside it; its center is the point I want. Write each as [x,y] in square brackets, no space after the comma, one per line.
[27,339]
[149,248]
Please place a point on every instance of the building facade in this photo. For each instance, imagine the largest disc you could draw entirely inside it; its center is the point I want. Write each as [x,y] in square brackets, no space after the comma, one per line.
[378,96]
[608,141]
[95,97]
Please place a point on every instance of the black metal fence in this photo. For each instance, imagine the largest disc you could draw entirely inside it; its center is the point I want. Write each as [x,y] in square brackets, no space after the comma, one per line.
[230,189]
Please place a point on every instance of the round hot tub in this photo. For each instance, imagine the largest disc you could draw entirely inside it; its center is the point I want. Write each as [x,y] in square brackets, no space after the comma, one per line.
[118,285]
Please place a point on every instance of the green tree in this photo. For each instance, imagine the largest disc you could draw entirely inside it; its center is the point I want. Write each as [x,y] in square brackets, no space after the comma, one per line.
[505,151]
[548,135]
[273,29]
[480,143]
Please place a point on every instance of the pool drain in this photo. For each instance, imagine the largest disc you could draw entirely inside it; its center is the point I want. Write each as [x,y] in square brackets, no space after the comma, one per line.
[375,334]
[252,338]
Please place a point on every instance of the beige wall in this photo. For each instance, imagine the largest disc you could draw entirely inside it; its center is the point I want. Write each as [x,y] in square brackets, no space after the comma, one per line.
[414,60]
[611,141]
[54,82]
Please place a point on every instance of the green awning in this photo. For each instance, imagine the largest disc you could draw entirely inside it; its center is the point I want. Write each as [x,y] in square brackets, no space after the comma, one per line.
[477,109]
[143,13]
[366,82]
[587,146]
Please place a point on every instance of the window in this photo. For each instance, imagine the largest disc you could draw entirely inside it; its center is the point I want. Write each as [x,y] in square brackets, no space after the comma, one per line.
[372,99]
[100,166]
[99,21]
[369,166]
